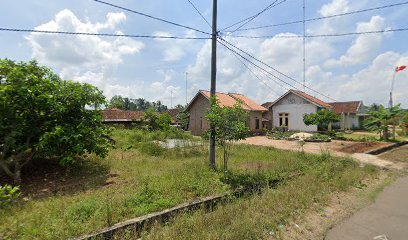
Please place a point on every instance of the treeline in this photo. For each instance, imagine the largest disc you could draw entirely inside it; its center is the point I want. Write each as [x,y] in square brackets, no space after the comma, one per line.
[139,104]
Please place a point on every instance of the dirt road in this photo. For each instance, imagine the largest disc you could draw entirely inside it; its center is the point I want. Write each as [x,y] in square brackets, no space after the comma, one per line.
[355,150]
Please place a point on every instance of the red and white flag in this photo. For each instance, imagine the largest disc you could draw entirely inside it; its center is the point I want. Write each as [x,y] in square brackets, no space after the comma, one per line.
[400,68]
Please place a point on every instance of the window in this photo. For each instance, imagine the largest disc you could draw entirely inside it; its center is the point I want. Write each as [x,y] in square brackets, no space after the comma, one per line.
[256,123]
[284,119]
[201,123]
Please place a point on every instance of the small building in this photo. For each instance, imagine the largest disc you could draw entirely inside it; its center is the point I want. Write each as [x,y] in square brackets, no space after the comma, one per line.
[201,103]
[352,114]
[117,116]
[289,109]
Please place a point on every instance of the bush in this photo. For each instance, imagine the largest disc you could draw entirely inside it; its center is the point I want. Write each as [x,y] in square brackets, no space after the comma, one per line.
[151,148]
[8,194]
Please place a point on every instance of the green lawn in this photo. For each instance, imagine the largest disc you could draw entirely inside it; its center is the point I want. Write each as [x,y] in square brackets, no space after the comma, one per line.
[149,178]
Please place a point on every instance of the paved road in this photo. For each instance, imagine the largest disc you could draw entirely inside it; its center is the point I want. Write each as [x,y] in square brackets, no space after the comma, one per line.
[386,219]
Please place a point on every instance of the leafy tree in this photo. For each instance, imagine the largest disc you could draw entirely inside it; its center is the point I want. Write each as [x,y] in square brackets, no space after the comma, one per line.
[183,118]
[180,107]
[42,115]
[323,117]
[117,102]
[230,126]
[379,120]
[157,121]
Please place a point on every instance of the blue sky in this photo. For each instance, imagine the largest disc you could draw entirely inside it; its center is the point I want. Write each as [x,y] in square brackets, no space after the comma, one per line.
[345,68]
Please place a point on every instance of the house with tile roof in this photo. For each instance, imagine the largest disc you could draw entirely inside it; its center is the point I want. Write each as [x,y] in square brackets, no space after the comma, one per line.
[201,102]
[289,109]
[352,114]
[118,116]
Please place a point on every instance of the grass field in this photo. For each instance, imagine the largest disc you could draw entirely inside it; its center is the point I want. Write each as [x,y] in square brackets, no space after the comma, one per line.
[139,177]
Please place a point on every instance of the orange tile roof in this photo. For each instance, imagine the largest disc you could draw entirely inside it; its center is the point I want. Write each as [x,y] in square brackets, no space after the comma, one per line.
[229,100]
[251,104]
[117,114]
[346,107]
[312,99]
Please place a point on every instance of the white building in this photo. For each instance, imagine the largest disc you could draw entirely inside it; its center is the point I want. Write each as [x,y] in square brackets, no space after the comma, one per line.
[289,109]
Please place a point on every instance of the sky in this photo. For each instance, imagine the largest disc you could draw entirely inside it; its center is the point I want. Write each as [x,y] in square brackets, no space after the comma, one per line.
[346,68]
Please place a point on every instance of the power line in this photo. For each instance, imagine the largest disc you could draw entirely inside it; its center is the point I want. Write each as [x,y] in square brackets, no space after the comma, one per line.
[99,34]
[253,73]
[326,17]
[281,73]
[259,67]
[250,18]
[198,11]
[150,16]
[324,35]
[255,16]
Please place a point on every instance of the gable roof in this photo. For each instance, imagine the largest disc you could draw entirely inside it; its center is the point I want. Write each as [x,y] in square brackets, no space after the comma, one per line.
[307,97]
[115,114]
[173,114]
[230,99]
[346,107]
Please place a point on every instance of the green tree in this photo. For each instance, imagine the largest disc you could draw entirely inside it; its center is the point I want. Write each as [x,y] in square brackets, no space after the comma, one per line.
[42,115]
[183,118]
[379,120]
[117,102]
[230,126]
[157,121]
[323,118]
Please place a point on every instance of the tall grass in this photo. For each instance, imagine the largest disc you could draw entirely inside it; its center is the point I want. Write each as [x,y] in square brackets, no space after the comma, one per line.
[144,183]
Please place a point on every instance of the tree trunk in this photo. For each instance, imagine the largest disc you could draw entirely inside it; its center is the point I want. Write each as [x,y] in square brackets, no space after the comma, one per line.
[17,173]
[330,126]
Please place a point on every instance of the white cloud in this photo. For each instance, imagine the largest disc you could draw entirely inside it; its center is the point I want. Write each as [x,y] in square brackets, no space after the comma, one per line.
[83,58]
[364,47]
[334,7]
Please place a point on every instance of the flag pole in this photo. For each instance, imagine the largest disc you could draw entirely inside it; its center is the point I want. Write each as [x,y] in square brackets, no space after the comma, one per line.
[392,87]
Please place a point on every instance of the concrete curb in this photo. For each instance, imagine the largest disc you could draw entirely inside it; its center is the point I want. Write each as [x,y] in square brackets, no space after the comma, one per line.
[387,148]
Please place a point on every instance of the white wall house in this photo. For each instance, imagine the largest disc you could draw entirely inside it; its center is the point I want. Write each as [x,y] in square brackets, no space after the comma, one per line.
[289,109]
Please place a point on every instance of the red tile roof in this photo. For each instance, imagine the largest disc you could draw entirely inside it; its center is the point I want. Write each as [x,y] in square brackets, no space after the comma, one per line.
[117,114]
[311,99]
[229,100]
[173,113]
[346,107]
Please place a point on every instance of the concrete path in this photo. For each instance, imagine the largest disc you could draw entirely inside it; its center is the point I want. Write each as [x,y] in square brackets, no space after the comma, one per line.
[386,219]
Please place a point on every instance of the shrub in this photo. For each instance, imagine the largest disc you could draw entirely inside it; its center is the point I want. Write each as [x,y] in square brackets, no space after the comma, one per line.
[151,148]
[8,194]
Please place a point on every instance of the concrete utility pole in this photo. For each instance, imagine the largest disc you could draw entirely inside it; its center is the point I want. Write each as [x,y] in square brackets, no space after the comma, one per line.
[213,78]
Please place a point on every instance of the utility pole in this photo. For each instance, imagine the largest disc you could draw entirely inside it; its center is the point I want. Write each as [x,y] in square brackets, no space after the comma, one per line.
[213,78]
[304,46]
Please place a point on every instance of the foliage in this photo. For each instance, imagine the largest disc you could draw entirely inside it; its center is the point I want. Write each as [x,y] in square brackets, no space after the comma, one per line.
[157,121]
[380,119]
[139,104]
[8,194]
[183,117]
[229,124]
[279,135]
[146,184]
[321,118]
[43,115]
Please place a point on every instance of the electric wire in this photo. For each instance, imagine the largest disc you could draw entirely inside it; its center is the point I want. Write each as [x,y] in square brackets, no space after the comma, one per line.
[326,17]
[323,35]
[150,16]
[276,70]
[198,11]
[100,34]
[250,18]
[253,73]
